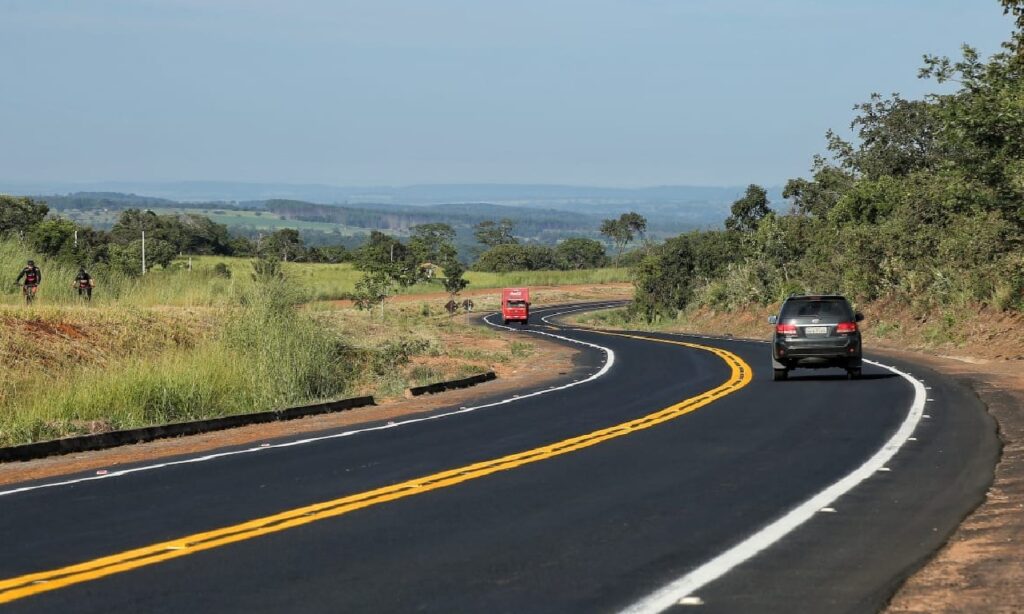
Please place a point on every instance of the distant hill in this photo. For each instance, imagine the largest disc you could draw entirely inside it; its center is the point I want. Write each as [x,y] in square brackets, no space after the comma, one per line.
[524,194]
[545,225]
[543,213]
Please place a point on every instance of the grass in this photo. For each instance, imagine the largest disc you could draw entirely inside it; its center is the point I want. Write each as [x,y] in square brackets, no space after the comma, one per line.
[259,354]
[75,370]
[201,286]
[180,344]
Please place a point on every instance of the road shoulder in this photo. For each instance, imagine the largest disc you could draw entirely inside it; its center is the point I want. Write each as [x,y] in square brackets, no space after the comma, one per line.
[981,567]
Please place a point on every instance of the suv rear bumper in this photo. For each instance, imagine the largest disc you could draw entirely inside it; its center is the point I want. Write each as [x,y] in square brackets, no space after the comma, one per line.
[842,352]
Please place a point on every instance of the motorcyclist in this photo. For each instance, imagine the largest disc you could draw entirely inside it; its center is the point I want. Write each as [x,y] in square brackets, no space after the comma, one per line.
[83,283]
[33,277]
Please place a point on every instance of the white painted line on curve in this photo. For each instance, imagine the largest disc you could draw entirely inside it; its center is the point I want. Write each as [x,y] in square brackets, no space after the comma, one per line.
[671,593]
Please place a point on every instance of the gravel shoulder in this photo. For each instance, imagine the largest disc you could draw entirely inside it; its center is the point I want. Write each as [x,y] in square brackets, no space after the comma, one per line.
[981,567]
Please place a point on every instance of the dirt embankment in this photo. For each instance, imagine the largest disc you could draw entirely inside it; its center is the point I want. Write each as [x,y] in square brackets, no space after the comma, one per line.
[981,568]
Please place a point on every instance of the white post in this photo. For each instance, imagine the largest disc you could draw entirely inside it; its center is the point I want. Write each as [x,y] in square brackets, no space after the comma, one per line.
[190,264]
[143,252]
[76,237]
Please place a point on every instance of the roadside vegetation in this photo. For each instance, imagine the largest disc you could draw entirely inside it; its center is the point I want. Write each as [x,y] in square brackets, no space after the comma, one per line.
[222,332]
[76,370]
[923,208]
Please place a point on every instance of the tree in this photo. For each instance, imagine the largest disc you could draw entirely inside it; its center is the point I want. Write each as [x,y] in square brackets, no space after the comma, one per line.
[388,264]
[816,197]
[381,249]
[285,244]
[131,224]
[664,278]
[623,230]
[748,211]
[506,258]
[635,222]
[201,235]
[493,234]
[580,253]
[332,254]
[128,258]
[19,214]
[433,243]
[454,282]
[54,237]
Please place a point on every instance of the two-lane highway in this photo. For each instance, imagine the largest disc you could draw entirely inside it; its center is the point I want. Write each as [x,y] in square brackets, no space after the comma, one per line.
[663,467]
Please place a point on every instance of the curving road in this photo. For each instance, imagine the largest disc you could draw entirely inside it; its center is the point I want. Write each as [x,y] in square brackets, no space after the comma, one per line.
[664,472]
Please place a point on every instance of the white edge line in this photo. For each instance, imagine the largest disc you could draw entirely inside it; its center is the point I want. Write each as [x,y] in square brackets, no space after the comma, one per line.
[685,586]
[610,360]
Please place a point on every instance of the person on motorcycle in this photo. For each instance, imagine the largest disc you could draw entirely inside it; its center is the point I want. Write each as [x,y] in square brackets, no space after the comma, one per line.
[83,282]
[33,277]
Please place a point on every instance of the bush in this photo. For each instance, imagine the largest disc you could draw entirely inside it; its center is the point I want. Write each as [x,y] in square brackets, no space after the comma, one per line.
[222,270]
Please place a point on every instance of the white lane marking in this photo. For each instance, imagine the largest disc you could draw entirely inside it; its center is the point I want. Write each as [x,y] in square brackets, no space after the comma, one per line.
[599,306]
[671,593]
[390,425]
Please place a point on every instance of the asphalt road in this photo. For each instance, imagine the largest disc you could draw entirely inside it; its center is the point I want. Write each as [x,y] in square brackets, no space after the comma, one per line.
[629,485]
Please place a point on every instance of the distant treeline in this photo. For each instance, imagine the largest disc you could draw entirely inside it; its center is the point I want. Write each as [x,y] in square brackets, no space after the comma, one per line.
[532,223]
[116,201]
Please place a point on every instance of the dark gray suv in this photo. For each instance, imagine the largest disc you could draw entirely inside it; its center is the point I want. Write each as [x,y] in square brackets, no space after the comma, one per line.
[815,332]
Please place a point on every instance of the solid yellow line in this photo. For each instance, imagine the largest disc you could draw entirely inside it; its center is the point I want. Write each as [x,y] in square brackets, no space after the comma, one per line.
[40,582]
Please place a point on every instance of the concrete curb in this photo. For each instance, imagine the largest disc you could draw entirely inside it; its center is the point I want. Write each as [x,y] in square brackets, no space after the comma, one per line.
[451,385]
[101,441]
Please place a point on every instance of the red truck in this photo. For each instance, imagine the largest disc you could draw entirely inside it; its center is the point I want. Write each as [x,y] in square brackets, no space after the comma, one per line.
[515,305]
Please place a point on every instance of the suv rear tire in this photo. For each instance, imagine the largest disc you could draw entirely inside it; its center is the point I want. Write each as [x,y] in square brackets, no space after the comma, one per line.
[853,373]
[779,375]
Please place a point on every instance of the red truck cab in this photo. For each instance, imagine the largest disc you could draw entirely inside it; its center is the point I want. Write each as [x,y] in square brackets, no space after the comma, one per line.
[515,305]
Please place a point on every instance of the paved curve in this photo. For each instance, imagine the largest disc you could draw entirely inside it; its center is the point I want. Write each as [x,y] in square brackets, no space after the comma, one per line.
[597,528]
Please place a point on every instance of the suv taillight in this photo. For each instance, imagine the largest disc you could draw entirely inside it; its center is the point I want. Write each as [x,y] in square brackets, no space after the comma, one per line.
[785,329]
[846,327]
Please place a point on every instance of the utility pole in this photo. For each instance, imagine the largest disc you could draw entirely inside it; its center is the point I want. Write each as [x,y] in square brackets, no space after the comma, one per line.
[143,252]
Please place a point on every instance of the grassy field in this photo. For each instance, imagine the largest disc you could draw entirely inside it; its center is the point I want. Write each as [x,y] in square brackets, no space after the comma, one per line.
[75,370]
[201,287]
[330,281]
[179,344]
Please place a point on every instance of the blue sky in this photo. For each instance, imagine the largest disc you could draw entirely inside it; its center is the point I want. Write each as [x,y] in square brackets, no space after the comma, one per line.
[595,92]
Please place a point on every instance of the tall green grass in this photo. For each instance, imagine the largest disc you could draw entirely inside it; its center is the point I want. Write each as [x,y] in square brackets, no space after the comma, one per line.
[202,286]
[266,355]
[173,286]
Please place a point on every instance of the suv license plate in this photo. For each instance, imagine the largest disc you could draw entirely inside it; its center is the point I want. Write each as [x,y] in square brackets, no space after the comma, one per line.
[816,330]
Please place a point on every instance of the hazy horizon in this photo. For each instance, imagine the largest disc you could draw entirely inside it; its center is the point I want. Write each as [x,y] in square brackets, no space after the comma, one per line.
[607,94]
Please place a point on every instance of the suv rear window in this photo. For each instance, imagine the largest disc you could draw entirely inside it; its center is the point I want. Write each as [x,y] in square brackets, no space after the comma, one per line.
[813,308]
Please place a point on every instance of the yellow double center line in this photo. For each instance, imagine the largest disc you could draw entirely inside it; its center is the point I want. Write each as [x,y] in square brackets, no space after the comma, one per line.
[35,583]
